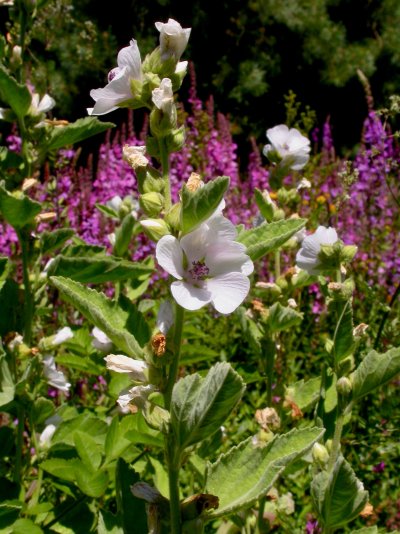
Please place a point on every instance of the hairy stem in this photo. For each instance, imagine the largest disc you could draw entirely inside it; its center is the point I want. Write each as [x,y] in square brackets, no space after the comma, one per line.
[164,159]
[173,481]
[174,367]
[335,450]
[28,297]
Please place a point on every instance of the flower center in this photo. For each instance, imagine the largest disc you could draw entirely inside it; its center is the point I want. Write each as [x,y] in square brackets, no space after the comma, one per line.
[199,270]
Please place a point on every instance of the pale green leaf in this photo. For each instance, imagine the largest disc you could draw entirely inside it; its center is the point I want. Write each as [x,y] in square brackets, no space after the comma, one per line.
[104,313]
[367,530]
[269,236]
[246,472]
[199,406]
[304,393]
[18,210]
[26,526]
[7,387]
[199,205]
[88,450]
[265,207]
[339,496]
[282,318]
[116,440]
[75,132]
[61,468]
[93,484]
[86,423]
[123,235]
[41,409]
[374,371]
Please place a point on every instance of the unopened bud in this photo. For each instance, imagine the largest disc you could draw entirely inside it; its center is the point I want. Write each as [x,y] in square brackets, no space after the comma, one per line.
[155,228]
[344,386]
[320,454]
[151,203]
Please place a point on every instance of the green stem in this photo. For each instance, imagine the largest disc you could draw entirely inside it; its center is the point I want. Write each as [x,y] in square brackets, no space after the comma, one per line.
[261,524]
[28,297]
[36,493]
[164,159]
[174,367]
[19,444]
[173,481]
[335,450]
[277,264]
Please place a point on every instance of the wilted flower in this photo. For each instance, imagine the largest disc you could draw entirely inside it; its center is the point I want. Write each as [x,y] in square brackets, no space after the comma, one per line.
[173,39]
[209,265]
[100,340]
[307,256]
[39,106]
[136,369]
[118,89]
[135,156]
[163,97]
[136,396]
[288,146]
[54,377]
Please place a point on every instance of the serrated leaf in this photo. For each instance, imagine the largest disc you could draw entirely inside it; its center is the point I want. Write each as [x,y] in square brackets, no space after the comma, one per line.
[199,405]
[265,207]
[18,211]
[343,339]
[244,474]
[53,240]
[304,393]
[76,131]
[103,313]
[96,270]
[374,371]
[269,236]
[88,450]
[17,96]
[282,318]
[7,387]
[91,484]
[199,205]
[338,495]
[61,468]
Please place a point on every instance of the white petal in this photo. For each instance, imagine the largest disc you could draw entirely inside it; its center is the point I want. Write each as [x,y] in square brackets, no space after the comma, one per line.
[165,317]
[62,335]
[229,256]
[130,57]
[123,364]
[46,104]
[46,435]
[194,244]
[228,291]
[189,296]
[278,134]
[170,256]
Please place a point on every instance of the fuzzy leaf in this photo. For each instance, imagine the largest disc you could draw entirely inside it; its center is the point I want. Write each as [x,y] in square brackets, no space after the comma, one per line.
[198,206]
[282,318]
[338,495]
[123,235]
[265,207]
[7,387]
[246,472]
[53,240]
[17,96]
[18,211]
[199,405]
[96,270]
[374,371]
[76,131]
[269,237]
[343,340]
[304,393]
[104,313]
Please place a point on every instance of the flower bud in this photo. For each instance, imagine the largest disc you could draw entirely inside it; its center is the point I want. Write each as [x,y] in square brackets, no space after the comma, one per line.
[151,203]
[344,386]
[155,228]
[320,454]
[173,39]
[173,216]
[175,140]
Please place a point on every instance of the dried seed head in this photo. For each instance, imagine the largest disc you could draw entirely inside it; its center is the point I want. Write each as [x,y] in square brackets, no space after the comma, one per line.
[194,182]
[158,344]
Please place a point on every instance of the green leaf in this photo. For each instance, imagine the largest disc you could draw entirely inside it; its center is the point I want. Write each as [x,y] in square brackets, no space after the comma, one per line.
[91,484]
[366,530]
[53,240]
[96,270]
[41,409]
[85,422]
[103,313]
[17,96]
[304,394]
[343,340]
[265,207]
[88,450]
[123,235]
[282,318]
[9,512]
[269,237]
[339,496]
[199,405]
[80,363]
[199,205]
[116,440]
[26,526]
[17,209]
[61,468]
[108,524]
[142,433]
[131,510]
[76,132]
[7,387]
[10,306]
[246,472]
[374,371]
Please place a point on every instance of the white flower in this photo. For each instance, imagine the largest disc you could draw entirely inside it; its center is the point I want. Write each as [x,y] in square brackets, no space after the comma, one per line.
[123,364]
[181,67]
[292,148]
[304,184]
[118,89]
[54,377]
[165,317]
[307,256]
[135,156]
[51,426]
[209,265]
[62,335]
[137,396]
[114,203]
[43,105]
[173,39]
[163,97]
[100,340]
